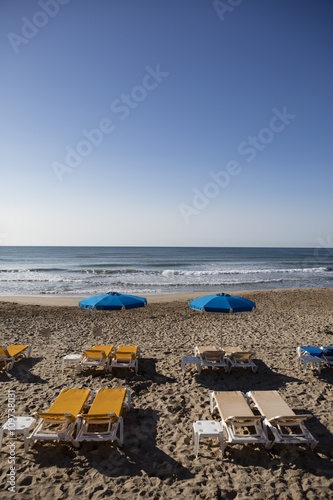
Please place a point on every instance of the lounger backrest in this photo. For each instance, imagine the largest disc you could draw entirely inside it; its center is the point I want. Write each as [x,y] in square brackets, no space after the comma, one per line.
[232,404]
[244,355]
[108,401]
[94,354]
[125,356]
[14,350]
[328,353]
[128,349]
[213,356]
[69,401]
[106,348]
[271,404]
[230,349]
[204,348]
[2,351]
[312,350]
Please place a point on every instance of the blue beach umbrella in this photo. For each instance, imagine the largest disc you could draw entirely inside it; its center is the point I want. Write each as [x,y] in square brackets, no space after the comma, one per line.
[222,303]
[112,301]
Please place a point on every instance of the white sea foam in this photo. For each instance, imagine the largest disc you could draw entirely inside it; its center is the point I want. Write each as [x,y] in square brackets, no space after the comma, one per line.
[85,271]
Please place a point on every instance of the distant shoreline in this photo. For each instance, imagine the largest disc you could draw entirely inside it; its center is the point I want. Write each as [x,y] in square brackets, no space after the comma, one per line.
[72,301]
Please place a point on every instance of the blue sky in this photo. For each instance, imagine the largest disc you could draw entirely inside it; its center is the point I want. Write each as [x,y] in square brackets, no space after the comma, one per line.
[119,116]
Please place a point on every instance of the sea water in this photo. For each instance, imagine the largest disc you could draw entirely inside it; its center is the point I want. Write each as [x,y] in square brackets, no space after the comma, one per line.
[85,271]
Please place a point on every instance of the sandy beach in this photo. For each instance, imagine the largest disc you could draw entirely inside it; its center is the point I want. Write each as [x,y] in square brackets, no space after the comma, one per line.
[157,460]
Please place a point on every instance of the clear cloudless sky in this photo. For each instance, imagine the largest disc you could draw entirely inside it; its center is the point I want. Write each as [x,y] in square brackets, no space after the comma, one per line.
[181,91]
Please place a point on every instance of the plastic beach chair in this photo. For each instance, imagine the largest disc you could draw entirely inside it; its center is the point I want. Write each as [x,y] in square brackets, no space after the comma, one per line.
[328,354]
[314,360]
[12,353]
[126,356]
[210,356]
[242,359]
[285,425]
[238,420]
[198,350]
[104,418]
[59,421]
[99,355]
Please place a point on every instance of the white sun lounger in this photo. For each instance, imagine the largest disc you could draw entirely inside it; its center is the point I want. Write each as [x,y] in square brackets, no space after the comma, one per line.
[198,350]
[328,354]
[285,425]
[238,420]
[242,359]
[210,357]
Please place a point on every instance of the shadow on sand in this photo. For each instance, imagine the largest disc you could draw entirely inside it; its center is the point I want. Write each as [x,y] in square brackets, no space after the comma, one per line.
[139,456]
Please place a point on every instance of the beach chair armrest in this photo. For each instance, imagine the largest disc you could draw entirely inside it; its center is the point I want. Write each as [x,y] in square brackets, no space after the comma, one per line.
[91,353]
[101,416]
[55,416]
[246,419]
[290,419]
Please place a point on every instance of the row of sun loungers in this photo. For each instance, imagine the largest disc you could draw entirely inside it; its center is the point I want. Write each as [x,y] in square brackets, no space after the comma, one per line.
[275,423]
[104,355]
[82,415]
[99,355]
[258,417]
[228,357]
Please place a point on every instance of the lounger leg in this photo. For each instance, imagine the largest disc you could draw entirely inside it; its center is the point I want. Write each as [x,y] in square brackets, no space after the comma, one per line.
[222,444]
[313,444]
[121,431]
[211,396]
[128,399]
[196,443]
[26,440]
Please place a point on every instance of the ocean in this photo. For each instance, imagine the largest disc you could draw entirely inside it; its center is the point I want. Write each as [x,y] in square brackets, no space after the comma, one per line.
[83,271]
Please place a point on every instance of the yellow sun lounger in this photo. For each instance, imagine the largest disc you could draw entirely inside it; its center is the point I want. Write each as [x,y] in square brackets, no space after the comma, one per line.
[11,353]
[104,417]
[99,355]
[285,425]
[59,421]
[126,356]
[238,420]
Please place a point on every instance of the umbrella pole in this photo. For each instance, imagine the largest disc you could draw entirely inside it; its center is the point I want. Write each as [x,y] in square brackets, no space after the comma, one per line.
[221,332]
[114,345]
